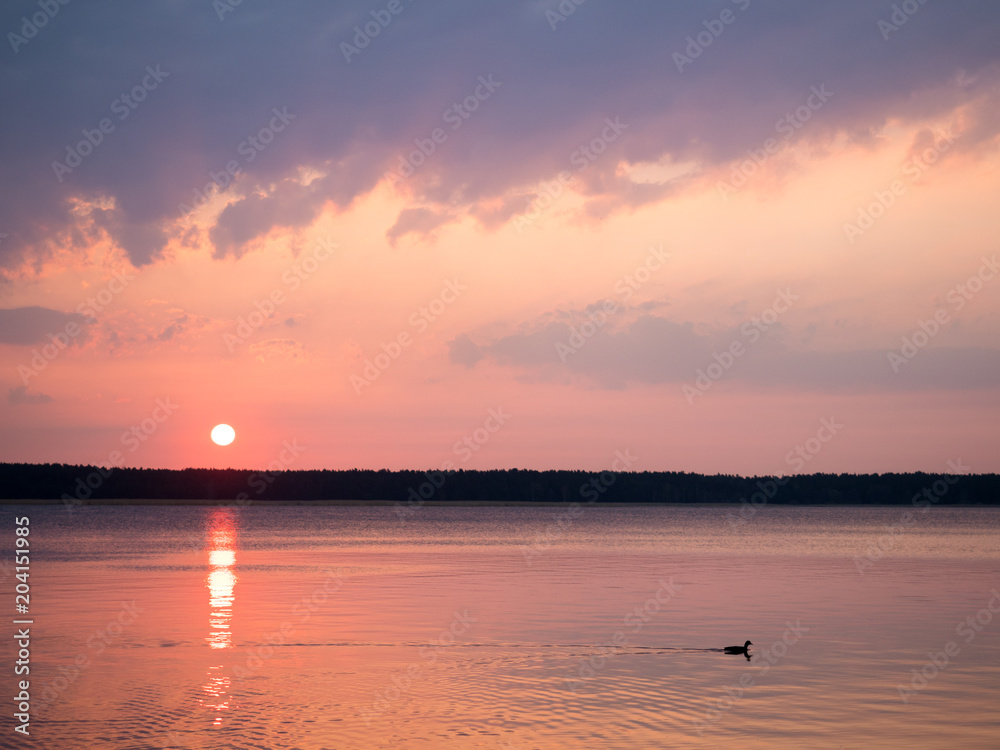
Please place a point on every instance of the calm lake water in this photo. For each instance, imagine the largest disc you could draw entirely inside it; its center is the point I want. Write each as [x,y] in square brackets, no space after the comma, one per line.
[510,628]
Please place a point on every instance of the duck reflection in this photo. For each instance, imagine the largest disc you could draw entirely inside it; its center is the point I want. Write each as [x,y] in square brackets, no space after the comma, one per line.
[221,583]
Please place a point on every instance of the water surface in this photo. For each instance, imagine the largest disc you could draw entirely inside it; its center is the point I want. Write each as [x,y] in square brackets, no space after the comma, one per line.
[347,627]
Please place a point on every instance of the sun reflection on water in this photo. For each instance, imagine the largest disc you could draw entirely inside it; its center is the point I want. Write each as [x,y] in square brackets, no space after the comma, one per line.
[221,579]
[221,583]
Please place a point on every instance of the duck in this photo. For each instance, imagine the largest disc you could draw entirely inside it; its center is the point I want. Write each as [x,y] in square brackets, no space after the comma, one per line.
[738,649]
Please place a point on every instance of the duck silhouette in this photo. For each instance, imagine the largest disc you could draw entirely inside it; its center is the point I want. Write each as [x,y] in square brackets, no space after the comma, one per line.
[738,649]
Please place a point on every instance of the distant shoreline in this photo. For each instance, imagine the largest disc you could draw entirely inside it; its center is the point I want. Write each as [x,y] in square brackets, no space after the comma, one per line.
[139,503]
[79,485]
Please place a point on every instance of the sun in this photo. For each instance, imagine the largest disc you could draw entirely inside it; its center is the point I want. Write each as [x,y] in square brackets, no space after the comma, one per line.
[223,434]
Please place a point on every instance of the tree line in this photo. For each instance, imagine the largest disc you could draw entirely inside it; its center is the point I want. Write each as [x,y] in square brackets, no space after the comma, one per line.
[76,484]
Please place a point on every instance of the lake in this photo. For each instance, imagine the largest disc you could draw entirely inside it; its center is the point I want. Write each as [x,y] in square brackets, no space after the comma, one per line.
[509,627]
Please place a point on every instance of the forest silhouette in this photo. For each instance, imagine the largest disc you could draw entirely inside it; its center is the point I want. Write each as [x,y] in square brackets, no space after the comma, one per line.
[77,484]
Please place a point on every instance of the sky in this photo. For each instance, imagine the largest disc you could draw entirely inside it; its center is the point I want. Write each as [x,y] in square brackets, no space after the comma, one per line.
[736,237]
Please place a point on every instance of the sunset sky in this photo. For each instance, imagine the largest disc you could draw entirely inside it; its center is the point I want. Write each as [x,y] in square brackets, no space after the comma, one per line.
[728,237]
